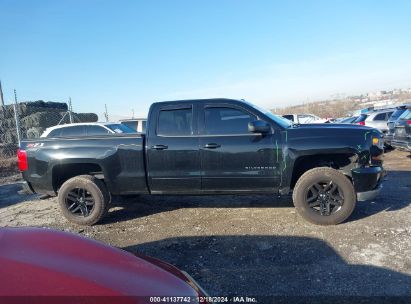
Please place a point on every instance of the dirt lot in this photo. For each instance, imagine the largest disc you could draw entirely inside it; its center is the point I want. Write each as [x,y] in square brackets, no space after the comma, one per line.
[255,245]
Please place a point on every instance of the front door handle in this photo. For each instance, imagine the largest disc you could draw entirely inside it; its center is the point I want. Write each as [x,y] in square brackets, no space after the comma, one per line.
[159,147]
[212,146]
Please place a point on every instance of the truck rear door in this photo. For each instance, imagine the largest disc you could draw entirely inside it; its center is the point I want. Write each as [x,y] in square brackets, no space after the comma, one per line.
[232,158]
[173,156]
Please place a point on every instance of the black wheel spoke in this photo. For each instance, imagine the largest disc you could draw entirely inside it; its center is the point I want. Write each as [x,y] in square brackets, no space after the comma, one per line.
[324,198]
[83,210]
[315,204]
[318,187]
[76,209]
[71,196]
[328,186]
[336,200]
[80,202]
[312,198]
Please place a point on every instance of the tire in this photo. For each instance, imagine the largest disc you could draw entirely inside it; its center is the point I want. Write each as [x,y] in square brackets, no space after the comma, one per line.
[93,191]
[341,202]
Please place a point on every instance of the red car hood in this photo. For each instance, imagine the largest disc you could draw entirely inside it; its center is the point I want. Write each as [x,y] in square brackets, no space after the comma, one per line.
[44,262]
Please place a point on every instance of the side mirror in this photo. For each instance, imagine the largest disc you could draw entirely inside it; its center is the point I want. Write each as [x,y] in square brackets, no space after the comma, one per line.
[258,126]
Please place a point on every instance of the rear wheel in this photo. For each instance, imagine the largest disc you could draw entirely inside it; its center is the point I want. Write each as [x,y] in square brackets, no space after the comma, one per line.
[324,196]
[84,200]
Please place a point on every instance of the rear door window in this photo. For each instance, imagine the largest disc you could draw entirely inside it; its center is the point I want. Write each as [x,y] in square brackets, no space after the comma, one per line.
[175,122]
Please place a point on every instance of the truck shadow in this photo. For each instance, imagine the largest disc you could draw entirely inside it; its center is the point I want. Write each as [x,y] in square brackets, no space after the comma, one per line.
[275,265]
[395,195]
[9,195]
[132,207]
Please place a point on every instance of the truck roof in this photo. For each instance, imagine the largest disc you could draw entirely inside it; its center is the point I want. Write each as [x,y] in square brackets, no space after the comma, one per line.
[209,100]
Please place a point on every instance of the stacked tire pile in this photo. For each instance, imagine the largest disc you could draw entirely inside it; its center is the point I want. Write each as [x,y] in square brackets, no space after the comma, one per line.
[34,118]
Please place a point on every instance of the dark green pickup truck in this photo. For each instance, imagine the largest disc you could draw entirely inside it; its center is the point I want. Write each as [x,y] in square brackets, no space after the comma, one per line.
[211,146]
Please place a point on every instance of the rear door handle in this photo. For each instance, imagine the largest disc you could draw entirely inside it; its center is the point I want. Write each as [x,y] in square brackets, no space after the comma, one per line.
[159,147]
[212,146]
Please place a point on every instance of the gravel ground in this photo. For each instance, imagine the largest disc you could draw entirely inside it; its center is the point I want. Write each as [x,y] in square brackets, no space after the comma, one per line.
[255,245]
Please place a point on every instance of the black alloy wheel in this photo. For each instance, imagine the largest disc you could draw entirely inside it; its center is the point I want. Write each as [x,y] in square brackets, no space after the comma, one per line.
[325,198]
[79,202]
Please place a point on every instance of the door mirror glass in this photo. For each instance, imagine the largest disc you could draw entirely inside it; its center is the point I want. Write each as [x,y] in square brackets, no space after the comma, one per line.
[258,126]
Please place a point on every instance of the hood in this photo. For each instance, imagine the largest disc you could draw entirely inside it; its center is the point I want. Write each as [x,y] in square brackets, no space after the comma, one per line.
[332,126]
[46,262]
[335,137]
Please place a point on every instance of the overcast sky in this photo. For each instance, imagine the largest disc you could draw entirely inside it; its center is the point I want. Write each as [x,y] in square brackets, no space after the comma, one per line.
[129,54]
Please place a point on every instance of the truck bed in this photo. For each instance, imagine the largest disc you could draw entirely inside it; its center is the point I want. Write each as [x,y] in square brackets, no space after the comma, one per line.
[118,159]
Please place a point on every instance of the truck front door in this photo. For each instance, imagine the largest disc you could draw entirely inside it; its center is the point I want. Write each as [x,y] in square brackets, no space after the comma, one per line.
[173,157]
[232,158]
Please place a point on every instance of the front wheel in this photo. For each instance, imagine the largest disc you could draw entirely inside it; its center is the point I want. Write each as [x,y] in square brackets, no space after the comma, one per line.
[84,200]
[324,196]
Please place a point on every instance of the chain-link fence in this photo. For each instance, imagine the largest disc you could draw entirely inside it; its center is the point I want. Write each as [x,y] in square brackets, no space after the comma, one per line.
[28,120]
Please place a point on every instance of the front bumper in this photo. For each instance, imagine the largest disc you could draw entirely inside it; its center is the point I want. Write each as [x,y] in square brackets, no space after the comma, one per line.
[388,139]
[369,195]
[402,145]
[367,182]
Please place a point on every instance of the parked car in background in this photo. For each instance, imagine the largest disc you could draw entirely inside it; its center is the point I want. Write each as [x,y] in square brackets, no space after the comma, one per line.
[391,123]
[86,129]
[305,118]
[45,262]
[137,124]
[360,120]
[346,120]
[376,119]
[402,134]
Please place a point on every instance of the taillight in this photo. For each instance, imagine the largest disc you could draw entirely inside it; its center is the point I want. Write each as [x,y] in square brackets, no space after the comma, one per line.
[22,160]
[361,123]
[409,122]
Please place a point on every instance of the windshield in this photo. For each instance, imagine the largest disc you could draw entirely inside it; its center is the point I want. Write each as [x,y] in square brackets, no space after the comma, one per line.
[406,115]
[119,128]
[283,122]
[361,118]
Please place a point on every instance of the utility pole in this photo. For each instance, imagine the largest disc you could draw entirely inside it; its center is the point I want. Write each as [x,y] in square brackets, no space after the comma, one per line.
[1,96]
[70,110]
[106,113]
[16,117]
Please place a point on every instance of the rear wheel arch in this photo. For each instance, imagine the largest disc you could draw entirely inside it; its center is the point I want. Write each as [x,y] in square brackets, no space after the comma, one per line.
[60,173]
